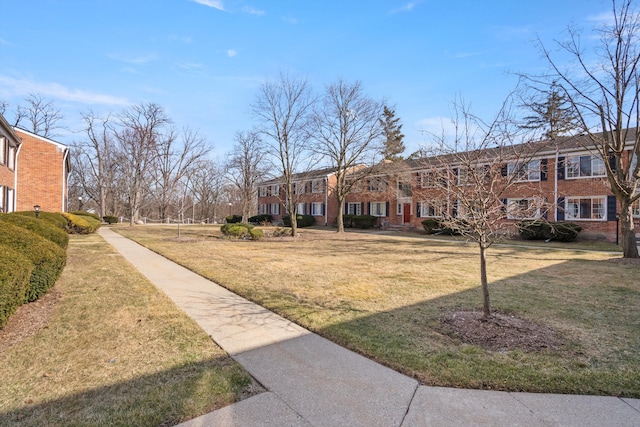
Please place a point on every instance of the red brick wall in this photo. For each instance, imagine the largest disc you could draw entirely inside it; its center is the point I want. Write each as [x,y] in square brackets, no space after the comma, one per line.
[42,174]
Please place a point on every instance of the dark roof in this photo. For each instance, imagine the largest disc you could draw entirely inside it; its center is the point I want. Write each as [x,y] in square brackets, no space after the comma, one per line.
[304,176]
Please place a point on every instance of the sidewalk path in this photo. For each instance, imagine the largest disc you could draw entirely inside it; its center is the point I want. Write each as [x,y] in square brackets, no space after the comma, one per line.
[314,382]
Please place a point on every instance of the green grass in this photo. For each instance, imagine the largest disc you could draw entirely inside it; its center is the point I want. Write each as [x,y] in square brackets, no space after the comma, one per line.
[384,296]
[116,352]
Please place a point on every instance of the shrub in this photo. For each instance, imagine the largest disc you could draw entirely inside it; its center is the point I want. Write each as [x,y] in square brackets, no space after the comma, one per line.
[237,230]
[261,219]
[43,228]
[48,258]
[256,233]
[233,219]
[81,224]
[14,281]
[109,219]
[540,230]
[55,218]
[431,225]
[85,213]
[301,220]
[359,221]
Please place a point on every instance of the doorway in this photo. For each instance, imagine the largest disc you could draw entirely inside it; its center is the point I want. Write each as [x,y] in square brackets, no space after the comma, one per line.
[406,213]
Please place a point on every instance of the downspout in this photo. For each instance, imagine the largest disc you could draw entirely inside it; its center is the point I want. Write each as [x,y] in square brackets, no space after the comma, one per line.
[326,200]
[15,178]
[555,188]
[65,180]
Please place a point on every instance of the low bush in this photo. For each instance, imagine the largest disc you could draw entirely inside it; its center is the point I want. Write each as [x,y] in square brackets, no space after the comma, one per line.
[233,219]
[48,258]
[85,213]
[81,224]
[55,218]
[301,220]
[42,227]
[14,281]
[109,219]
[431,225]
[359,221]
[261,219]
[541,230]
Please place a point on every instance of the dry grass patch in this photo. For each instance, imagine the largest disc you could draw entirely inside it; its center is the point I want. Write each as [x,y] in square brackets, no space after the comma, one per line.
[115,351]
[386,297]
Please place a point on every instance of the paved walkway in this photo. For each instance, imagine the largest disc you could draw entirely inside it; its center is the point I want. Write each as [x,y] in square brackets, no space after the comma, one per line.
[311,381]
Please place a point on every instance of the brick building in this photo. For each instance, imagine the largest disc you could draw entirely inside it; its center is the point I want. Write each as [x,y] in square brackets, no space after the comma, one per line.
[563,181]
[9,147]
[43,167]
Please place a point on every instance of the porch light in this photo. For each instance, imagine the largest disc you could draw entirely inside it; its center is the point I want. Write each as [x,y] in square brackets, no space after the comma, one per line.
[36,208]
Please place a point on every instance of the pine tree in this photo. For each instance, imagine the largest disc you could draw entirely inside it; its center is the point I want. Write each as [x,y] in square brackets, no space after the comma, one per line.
[554,115]
[393,144]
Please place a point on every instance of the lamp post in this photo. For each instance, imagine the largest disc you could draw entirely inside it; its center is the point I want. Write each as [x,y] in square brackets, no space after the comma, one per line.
[80,203]
[36,208]
[230,204]
[617,228]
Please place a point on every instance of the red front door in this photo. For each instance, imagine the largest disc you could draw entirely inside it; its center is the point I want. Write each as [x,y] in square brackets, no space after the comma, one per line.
[406,213]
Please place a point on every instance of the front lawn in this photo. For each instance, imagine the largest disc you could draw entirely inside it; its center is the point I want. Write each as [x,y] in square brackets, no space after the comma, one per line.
[388,297]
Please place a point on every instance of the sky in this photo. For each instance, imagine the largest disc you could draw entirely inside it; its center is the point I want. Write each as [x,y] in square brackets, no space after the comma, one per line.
[203,61]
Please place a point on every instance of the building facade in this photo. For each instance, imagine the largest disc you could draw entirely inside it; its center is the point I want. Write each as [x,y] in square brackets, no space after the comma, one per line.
[563,181]
[10,145]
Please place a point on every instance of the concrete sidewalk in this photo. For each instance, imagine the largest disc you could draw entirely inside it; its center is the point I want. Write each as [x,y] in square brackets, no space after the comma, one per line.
[314,382]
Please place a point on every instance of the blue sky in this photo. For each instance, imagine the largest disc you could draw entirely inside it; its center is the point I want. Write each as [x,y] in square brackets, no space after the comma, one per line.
[203,60]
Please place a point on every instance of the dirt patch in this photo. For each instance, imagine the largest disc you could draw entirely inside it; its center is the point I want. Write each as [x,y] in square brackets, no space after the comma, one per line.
[501,332]
[29,319]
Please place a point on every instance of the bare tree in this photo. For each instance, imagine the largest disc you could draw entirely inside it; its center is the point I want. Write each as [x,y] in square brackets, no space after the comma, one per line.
[348,131]
[41,116]
[206,187]
[605,94]
[282,108]
[173,159]
[140,131]
[95,161]
[470,174]
[245,169]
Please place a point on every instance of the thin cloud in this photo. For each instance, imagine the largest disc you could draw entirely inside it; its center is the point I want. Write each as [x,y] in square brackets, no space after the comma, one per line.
[3,42]
[436,126]
[604,17]
[135,60]
[23,87]
[231,53]
[252,11]
[290,19]
[216,4]
[191,65]
[463,55]
[406,8]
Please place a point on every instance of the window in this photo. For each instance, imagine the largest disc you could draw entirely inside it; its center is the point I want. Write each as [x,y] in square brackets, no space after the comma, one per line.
[378,209]
[262,209]
[301,209]
[584,166]
[10,207]
[404,189]
[431,179]
[585,208]
[525,171]
[2,197]
[317,186]
[275,190]
[354,208]
[3,147]
[299,187]
[263,191]
[377,184]
[275,208]
[523,208]
[635,208]
[430,209]
[317,209]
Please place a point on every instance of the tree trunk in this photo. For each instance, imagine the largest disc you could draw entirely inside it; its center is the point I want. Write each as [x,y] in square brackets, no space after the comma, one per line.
[629,245]
[340,218]
[486,307]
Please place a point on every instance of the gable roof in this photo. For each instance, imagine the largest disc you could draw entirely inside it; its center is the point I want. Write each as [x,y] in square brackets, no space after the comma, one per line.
[8,130]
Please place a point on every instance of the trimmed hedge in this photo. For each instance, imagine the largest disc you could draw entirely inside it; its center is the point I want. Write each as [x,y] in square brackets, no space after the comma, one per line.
[81,224]
[301,220]
[48,258]
[85,213]
[434,225]
[42,227]
[359,221]
[14,281]
[261,219]
[55,218]
[542,230]
[110,219]
[233,219]
[241,231]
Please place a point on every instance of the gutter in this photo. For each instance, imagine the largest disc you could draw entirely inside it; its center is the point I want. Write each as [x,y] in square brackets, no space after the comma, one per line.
[15,177]
[65,180]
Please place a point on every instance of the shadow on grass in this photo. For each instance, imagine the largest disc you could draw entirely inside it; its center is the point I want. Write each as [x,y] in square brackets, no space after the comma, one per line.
[161,399]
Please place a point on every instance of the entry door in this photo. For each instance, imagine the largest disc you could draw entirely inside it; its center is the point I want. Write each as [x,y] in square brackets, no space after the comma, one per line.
[406,213]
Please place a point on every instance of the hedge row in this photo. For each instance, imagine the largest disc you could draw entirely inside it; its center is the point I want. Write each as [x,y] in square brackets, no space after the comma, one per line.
[301,221]
[45,263]
[81,223]
[14,281]
[44,228]
[359,221]
[543,230]
[261,219]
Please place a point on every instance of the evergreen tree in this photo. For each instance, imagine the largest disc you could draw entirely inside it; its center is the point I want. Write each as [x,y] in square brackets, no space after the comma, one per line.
[554,115]
[393,144]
